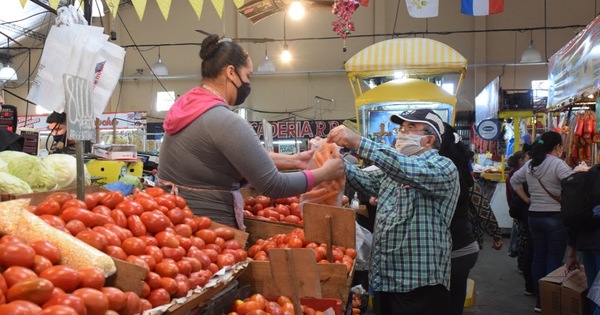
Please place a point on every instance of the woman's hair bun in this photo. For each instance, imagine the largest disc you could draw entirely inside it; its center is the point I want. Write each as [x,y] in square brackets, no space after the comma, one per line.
[209,47]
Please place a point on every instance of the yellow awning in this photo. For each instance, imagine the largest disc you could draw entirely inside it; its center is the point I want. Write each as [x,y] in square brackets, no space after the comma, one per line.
[417,56]
[406,90]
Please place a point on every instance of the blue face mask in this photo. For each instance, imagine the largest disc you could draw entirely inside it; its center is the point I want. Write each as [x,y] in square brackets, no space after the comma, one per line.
[242,91]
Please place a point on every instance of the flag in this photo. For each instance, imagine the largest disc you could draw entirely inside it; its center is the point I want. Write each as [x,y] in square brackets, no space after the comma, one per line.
[165,7]
[481,7]
[422,8]
[140,8]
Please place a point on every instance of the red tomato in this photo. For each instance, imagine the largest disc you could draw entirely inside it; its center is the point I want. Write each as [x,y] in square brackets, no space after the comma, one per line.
[88,217]
[173,253]
[100,209]
[263,200]
[211,253]
[159,297]
[133,304]
[167,239]
[38,291]
[147,203]
[3,285]
[136,226]
[91,277]
[166,269]
[165,201]
[138,261]
[203,222]
[203,258]
[16,254]
[59,310]
[116,252]
[61,197]
[93,239]
[15,309]
[207,235]
[155,221]
[182,288]
[235,253]
[96,303]
[111,237]
[119,217]
[176,215]
[130,208]
[246,307]
[225,233]
[46,249]
[70,300]
[133,246]
[155,252]
[249,201]
[111,199]
[48,206]
[184,266]
[64,277]
[16,274]
[33,308]
[116,298]
[74,202]
[154,191]
[225,260]
[168,284]
[183,229]
[75,226]
[91,201]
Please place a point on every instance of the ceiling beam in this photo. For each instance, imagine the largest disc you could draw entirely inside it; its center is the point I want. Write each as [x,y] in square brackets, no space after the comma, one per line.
[43,5]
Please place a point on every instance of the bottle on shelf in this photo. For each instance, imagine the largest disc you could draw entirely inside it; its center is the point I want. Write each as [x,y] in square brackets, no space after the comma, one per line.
[355,203]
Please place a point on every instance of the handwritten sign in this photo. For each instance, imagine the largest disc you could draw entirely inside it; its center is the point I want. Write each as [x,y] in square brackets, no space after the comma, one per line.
[80,115]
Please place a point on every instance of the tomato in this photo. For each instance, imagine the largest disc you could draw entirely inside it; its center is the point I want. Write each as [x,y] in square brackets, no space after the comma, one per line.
[111,199]
[249,201]
[93,239]
[16,274]
[225,260]
[116,252]
[207,235]
[130,208]
[263,200]
[75,226]
[184,266]
[15,309]
[111,237]
[91,277]
[198,279]
[155,252]
[197,242]
[91,201]
[147,203]
[203,222]
[133,304]
[155,221]
[88,217]
[168,284]
[138,261]
[149,260]
[203,258]
[182,288]
[59,310]
[173,253]
[74,202]
[165,201]
[38,291]
[246,307]
[133,246]
[60,197]
[48,206]
[70,300]
[116,298]
[46,249]
[3,285]
[96,303]
[215,247]
[232,244]
[64,277]
[256,209]
[176,215]
[136,226]
[167,239]
[159,297]
[33,308]
[154,191]
[166,269]
[234,253]
[16,254]
[211,253]
[225,233]
[183,230]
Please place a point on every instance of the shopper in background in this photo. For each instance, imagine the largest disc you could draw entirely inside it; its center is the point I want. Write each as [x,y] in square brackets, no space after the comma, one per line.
[417,190]
[519,210]
[470,211]
[57,124]
[209,152]
[9,141]
[543,174]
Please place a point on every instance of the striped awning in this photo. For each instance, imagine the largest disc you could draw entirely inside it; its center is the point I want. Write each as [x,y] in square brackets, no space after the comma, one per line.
[417,56]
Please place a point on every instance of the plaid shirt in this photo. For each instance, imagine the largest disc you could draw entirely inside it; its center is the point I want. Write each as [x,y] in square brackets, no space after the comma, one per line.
[417,197]
[481,216]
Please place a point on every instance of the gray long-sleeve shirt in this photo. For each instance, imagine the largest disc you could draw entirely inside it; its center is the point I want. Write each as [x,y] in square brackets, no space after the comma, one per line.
[218,152]
[550,173]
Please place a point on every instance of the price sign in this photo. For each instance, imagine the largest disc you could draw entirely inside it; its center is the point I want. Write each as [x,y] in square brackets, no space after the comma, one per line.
[80,115]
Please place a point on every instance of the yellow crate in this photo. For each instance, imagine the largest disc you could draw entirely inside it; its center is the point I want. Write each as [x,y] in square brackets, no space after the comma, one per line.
[111,171]
[470,293]
[497,177]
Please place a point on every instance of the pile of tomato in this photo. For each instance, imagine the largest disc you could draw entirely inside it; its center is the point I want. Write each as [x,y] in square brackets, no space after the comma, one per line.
[278,210]
[257,304]
[32,282]
[151,228]
[295,239]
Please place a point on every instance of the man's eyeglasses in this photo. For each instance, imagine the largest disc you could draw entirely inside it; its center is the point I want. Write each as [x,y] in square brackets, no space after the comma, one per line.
[410,128]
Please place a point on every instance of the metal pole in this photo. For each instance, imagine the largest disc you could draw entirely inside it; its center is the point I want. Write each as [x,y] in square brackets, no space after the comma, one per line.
[594,157]
[80,170]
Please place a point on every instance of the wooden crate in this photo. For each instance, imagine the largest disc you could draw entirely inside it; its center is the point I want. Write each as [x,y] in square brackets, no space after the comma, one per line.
[38,197]
[263,229]
[240,236]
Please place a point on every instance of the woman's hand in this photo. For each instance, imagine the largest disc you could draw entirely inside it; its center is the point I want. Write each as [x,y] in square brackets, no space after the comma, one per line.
[571,263]
[303,158]
[497,245]
[344,137]
[333,168]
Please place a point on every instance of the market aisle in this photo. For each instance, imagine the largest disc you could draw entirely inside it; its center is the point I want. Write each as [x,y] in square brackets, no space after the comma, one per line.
[498,286]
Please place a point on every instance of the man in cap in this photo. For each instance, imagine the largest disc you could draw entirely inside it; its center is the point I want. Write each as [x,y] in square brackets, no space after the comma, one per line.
[417,190]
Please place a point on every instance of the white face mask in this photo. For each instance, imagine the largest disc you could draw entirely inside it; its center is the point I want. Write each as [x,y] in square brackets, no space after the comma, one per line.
[408,144]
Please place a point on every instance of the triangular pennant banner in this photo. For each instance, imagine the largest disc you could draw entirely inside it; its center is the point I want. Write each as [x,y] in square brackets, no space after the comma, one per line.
[219,5]
[23,3]
[197,5]
[165,7]
[113,7]
[140,7]
[238,3]
[54,4]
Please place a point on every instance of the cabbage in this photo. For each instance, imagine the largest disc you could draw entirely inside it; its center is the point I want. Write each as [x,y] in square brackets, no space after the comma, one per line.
[31,169]
[65,167]
[13,185]
[3,167]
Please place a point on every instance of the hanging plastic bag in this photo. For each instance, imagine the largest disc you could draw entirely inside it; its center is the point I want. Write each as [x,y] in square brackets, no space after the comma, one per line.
[364,241]
[329,192]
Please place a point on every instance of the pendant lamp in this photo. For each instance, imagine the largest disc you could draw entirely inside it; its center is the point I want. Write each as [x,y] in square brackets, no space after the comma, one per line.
[159,68]
[531,54]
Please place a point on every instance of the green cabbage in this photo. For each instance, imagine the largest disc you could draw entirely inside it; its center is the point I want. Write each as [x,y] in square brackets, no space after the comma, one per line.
[3,167]
[30,169]
[13,185]
[65,167]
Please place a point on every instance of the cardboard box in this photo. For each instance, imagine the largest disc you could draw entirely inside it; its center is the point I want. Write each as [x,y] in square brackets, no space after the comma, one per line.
[115,151]
[105,172]
[563,292]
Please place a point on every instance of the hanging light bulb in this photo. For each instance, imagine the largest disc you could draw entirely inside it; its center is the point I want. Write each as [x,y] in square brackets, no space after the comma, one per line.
[7,73]
[286,56]
[267,65]
[296,10]
[159,68]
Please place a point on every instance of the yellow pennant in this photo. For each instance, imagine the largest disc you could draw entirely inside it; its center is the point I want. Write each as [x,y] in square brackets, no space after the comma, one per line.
[140,7]
[113,7]
[164,6]
[23,3]
[197,5]
[219,5]
[238,3]
[54,4]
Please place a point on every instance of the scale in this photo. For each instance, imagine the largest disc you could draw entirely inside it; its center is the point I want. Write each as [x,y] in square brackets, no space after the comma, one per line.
[31,140]
[8,118]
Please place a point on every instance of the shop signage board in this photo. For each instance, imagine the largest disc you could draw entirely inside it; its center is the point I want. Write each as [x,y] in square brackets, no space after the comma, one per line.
[488,129]
[125,120]
[297,129]
[80,115]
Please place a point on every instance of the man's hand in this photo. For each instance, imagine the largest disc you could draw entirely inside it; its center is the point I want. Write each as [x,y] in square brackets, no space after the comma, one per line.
[343,137]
